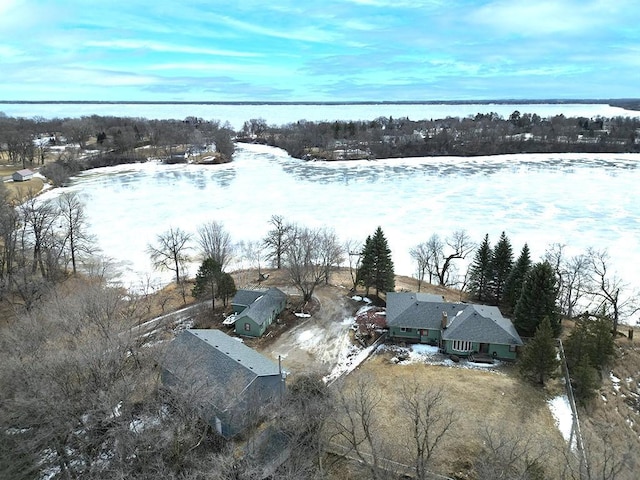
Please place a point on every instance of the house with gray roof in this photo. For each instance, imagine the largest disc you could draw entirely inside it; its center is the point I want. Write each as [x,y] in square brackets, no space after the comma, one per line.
[232,383]
[256,309]
[457,328]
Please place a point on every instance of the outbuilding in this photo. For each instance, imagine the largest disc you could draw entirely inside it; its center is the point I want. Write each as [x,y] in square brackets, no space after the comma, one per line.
[22,175]
[234,384]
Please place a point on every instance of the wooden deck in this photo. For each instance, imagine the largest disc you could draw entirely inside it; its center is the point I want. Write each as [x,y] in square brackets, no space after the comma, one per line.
[480,358]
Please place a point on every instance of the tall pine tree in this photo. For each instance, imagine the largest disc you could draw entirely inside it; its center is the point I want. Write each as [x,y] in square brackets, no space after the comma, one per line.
[501,267]
[538,300]
[480,271]
[376,269]
[539,360]
[513,287]
[207,279]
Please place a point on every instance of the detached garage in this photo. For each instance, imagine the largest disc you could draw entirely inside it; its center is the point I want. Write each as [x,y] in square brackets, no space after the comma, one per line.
[22,175]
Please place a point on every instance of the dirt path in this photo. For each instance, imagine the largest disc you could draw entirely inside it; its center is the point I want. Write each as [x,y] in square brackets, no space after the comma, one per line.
[314,345]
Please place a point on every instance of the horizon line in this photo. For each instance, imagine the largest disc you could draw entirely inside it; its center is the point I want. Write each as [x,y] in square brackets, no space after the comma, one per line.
[504,101]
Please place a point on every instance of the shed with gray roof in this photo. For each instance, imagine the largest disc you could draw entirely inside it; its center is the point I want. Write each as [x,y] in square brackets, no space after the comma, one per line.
[22,175]
[232,382]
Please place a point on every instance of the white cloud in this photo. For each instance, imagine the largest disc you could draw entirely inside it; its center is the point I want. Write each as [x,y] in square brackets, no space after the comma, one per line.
[544,17]
[307,34]
[166,48]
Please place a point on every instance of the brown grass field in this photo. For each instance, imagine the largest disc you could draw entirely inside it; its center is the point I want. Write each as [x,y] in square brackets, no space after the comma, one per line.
[479,399]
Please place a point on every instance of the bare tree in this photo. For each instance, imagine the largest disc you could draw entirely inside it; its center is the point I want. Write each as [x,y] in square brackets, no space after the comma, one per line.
[74,227]
[331,251]
[276,241]
[170,251]
[434,255]
[356,424]
[605,288]
[572,277]
[421,254]
[9,224]
[38,219]
[216,243]
[460,245]
[304,260]
[253,252]
[353,249]
[78,130]
[509,457]
[428,419]
[302,418]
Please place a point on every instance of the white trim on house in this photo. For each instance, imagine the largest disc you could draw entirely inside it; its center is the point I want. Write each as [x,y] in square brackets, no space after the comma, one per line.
[462,346]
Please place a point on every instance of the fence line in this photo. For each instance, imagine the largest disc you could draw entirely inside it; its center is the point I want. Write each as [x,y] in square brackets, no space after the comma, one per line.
[575,425]
[383,463]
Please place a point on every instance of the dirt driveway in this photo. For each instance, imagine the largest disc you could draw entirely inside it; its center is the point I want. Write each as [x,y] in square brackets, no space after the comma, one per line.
[314,345]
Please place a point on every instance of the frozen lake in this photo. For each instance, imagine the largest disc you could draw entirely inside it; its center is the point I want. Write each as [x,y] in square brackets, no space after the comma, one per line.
[580,200]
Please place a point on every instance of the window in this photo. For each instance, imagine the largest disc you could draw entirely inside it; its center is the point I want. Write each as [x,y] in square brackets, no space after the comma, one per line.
[247,327]
[403,329]
[461,346]
[512,348]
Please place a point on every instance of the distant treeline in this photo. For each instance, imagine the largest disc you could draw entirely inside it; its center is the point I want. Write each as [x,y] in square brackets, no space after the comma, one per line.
[484,134]
[65,146]
[630,104]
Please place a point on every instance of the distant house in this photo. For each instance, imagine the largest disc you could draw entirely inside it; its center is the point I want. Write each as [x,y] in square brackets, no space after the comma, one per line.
[233,383]
[256,309]
[22,175]
[457,328]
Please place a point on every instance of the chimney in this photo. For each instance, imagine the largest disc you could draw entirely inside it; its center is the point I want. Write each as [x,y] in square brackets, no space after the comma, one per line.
[445,320]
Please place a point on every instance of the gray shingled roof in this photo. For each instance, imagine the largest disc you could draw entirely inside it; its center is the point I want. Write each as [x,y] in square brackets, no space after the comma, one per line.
[415,310]
[398,302]
[212,358]
[480,323]
[260,310]
[247,297]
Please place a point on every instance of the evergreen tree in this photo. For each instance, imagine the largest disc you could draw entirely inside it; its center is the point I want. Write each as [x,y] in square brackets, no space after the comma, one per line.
[501,267]
[207,280]
[226,287]
[584,380]
[513,287]
[590,339]
[376,269]
[480,271]
[539,360]
[537,301]
[365,272]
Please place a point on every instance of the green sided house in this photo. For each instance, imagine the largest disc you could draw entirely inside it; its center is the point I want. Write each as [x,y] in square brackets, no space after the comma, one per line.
[234,384]
[456,328]
[255,310]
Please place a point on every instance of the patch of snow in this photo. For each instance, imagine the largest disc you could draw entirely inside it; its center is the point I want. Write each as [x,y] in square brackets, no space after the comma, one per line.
[424,349]
[349,360]
[302,315]
[429,355]
[364,309]
[561,411]
[359,298]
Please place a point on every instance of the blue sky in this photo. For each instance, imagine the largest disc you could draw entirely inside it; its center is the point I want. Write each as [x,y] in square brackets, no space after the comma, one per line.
[327,50]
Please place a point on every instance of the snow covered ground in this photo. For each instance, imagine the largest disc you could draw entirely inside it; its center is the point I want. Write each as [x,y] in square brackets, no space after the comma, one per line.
[561,411]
